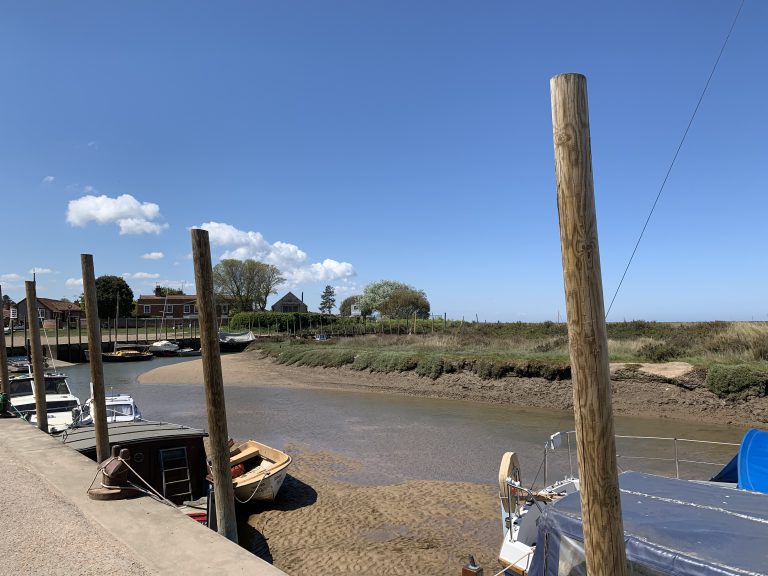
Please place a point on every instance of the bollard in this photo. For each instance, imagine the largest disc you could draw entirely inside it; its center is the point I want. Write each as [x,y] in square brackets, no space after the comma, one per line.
[471,568]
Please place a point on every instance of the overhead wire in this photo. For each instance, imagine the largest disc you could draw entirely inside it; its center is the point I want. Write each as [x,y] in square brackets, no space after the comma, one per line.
[674,158]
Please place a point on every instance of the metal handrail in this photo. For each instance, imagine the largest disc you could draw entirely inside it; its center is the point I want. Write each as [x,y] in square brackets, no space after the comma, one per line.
[549,447]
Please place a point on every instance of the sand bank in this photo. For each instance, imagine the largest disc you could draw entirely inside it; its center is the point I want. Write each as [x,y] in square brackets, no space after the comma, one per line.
[321,524]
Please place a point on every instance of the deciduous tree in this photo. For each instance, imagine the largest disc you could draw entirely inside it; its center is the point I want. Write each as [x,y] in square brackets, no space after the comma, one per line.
[246,283]
[376,293]
[111,290]
[167,291]
[404,303]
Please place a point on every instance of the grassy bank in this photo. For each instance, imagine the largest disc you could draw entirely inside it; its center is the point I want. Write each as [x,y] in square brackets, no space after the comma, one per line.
[733,355]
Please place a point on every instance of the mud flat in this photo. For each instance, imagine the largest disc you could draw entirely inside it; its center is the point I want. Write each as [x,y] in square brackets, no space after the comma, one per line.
[673,390]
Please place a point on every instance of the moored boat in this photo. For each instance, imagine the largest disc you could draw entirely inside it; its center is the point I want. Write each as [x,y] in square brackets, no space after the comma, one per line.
[189,352]
[258,471]
[169,457]
[235,341]
[59,400]
[119,407]
[125,355]
[163,348]
[671,525]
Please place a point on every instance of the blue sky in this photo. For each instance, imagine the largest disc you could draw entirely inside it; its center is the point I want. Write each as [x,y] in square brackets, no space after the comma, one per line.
[349,141]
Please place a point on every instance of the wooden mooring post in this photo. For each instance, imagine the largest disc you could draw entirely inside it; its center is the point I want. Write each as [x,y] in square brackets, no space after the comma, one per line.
[588,342]
[214,386]
[36,351]
[5,384]
[99,407]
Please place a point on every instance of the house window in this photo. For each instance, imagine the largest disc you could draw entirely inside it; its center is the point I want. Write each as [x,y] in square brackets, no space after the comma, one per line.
[186,308]
[169,309]
[224,309]
[147,309]
[41,313]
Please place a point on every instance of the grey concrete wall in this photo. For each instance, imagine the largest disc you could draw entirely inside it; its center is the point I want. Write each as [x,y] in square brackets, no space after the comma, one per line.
[153,536]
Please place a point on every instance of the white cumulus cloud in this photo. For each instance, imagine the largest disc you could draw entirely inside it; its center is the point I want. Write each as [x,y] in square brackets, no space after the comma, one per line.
[289,258]
[153,256]
[40,270]
[141,275]
[48,180]
[132,216]
[74,282]
[10,278]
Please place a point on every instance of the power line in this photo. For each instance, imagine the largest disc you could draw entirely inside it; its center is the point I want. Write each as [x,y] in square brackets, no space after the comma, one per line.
[674,158]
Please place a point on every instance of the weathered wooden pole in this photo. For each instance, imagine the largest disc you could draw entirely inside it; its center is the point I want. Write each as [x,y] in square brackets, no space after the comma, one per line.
[99,405]
[588,342]
[36,350]
[214,386]
[5,385]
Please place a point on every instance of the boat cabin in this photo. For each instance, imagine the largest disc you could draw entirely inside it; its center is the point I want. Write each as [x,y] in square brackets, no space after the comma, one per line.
[170,457]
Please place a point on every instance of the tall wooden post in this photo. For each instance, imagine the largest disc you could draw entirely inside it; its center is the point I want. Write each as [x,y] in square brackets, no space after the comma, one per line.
[5,385]
[214,386]
[99,406]
[588,342]
[36,350]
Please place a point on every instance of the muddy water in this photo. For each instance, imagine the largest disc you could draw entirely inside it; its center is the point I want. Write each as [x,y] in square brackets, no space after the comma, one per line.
[397,437]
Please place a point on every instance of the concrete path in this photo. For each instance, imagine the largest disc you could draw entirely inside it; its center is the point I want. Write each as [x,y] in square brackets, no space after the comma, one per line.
[50,526]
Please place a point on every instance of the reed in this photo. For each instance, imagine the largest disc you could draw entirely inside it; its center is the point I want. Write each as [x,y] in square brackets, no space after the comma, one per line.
[494,351]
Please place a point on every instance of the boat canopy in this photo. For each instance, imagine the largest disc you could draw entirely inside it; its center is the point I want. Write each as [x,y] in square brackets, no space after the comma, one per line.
[753,461]
[670,527]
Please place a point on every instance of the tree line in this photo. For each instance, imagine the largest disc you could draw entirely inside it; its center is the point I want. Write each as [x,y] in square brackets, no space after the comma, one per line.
[246,286]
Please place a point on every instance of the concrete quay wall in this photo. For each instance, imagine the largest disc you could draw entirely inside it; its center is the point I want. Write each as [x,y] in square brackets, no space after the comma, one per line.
[49,521]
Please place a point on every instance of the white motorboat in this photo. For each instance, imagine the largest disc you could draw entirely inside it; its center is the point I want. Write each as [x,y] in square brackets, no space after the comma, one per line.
[120,408]
[59,400]
[164,348]
[671,525]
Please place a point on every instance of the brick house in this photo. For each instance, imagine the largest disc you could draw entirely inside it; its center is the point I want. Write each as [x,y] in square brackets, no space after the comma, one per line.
[52,313]
[289,303]
[178,306]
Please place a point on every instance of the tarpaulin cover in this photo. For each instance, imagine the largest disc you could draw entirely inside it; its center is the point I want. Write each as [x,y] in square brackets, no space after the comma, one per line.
[753,461]
[671,526]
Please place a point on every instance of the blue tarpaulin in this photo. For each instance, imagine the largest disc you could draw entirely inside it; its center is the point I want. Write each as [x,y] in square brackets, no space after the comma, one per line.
[671,527]
[753,461]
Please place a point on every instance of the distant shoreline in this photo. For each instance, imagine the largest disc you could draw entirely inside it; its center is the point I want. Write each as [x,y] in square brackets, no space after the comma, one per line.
[650,392]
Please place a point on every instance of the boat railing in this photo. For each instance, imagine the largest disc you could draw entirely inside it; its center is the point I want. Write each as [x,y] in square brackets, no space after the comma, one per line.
[653,451]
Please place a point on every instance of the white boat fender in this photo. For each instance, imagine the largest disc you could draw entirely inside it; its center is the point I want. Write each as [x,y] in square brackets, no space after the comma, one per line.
[508,470]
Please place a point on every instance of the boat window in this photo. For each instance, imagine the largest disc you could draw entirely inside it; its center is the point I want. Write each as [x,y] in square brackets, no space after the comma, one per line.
[23,388]
[120,410]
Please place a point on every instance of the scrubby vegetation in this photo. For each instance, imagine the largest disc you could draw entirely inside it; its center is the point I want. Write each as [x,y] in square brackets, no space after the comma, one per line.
[734,355]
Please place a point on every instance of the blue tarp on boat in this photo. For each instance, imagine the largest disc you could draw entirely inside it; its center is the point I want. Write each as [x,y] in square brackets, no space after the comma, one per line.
[753,461]
[671,526]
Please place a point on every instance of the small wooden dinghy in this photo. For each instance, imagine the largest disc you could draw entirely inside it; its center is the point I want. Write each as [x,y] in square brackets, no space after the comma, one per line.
[258,471]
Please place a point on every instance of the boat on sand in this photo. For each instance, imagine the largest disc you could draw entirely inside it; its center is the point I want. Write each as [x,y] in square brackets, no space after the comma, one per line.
[235,341]
[258,471]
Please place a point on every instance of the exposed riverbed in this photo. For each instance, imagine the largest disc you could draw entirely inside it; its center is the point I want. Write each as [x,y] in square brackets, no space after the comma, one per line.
[382,483]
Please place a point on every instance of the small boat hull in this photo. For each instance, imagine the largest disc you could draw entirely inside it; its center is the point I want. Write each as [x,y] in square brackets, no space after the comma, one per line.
[262,471]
